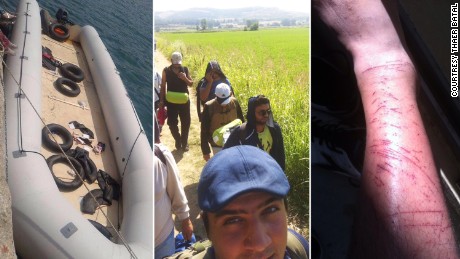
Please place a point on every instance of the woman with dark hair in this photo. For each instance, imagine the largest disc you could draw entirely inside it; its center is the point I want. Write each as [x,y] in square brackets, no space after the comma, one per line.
[207,86]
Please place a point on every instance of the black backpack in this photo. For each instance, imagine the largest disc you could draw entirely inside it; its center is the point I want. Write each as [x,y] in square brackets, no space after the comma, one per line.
[62,16]
[159,154]
[199,102]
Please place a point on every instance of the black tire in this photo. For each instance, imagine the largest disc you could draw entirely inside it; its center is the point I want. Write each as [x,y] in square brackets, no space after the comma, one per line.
[55,34]
[92,174]
[90,170]
[88,205]
[63,133]
[64,185]
[74,88]
[104,231]
[72,72]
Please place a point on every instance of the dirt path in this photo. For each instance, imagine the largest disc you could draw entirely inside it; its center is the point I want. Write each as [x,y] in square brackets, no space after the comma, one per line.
[190,163]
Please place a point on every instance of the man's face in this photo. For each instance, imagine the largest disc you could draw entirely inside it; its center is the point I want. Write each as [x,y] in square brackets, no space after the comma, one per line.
[262,113]
[253,225]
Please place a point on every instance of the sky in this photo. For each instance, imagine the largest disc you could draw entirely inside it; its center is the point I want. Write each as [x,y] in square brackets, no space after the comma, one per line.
[176,5]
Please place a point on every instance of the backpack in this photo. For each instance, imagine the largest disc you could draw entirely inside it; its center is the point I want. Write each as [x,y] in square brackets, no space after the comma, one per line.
[198,250]
[219,116]
[159,154]
[48,60]
[62,16]
[157,89]
[199,102]
[220,135]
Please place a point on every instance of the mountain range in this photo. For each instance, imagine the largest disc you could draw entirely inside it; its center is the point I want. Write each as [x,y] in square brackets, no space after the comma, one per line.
[248,13]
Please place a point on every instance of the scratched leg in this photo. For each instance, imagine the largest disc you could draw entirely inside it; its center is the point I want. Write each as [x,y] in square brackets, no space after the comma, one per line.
[402,208]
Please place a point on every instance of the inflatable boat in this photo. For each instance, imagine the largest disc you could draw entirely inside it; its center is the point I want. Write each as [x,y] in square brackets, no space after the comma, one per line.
[47,221]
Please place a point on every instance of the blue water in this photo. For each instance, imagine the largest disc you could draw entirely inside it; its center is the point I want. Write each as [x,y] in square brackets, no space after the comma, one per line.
[125,27]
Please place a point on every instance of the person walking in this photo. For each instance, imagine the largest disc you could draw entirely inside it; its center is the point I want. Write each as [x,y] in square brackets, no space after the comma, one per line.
[260,130]
[175,95]
[169,197]
[206,87]
[223,110]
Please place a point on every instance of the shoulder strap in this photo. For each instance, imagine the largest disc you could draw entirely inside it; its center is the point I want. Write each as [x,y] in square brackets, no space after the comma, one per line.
[297,245]
[242,133]
[159,154]
[231,88]
[198,99]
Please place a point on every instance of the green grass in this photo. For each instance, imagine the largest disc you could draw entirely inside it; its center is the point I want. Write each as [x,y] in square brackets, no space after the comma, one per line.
[271,62]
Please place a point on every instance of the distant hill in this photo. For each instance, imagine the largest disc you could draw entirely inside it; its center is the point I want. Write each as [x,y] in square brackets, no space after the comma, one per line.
[191,16]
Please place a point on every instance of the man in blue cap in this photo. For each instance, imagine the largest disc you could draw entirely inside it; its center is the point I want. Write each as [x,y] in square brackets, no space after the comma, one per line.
[242,193]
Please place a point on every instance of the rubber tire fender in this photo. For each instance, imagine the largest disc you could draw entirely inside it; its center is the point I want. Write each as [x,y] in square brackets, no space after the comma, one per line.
[72,72]
[90,170]
[88,205]
[62,132]
[57,36]
[92,174]
[74,88]
[63,185]
[104,230]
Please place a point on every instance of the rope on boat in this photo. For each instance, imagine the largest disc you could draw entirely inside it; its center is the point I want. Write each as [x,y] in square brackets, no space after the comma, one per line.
[23,94]
[141,131]
[62,45]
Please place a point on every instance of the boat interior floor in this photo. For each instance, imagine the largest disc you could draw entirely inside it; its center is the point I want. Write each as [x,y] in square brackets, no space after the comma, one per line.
[85,109]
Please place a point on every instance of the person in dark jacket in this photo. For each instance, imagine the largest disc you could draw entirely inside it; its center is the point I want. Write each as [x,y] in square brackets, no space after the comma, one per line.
[260,130]
[174,94]
[206,88]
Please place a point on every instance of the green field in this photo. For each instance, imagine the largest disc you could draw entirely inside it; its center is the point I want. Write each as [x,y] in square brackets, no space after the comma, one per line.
[271,62]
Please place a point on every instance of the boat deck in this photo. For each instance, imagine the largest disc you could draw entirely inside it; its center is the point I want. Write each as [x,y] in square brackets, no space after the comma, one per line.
[85,109]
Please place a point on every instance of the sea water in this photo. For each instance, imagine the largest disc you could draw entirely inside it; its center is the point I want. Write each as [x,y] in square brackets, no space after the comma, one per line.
[125,27]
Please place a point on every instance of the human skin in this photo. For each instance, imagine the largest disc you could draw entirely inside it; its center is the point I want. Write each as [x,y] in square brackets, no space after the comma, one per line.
[261,120]
[176,68]
[211,76]
[402,209]
[253,225]
[187,228]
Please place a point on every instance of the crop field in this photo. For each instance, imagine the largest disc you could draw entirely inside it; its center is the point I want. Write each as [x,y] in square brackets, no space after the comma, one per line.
[274,63]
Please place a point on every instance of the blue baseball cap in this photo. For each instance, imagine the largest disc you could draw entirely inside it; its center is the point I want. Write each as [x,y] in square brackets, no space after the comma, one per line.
[238,170]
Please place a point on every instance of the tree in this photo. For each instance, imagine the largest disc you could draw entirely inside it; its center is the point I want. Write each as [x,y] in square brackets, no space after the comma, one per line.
[204,24]
[252,25]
